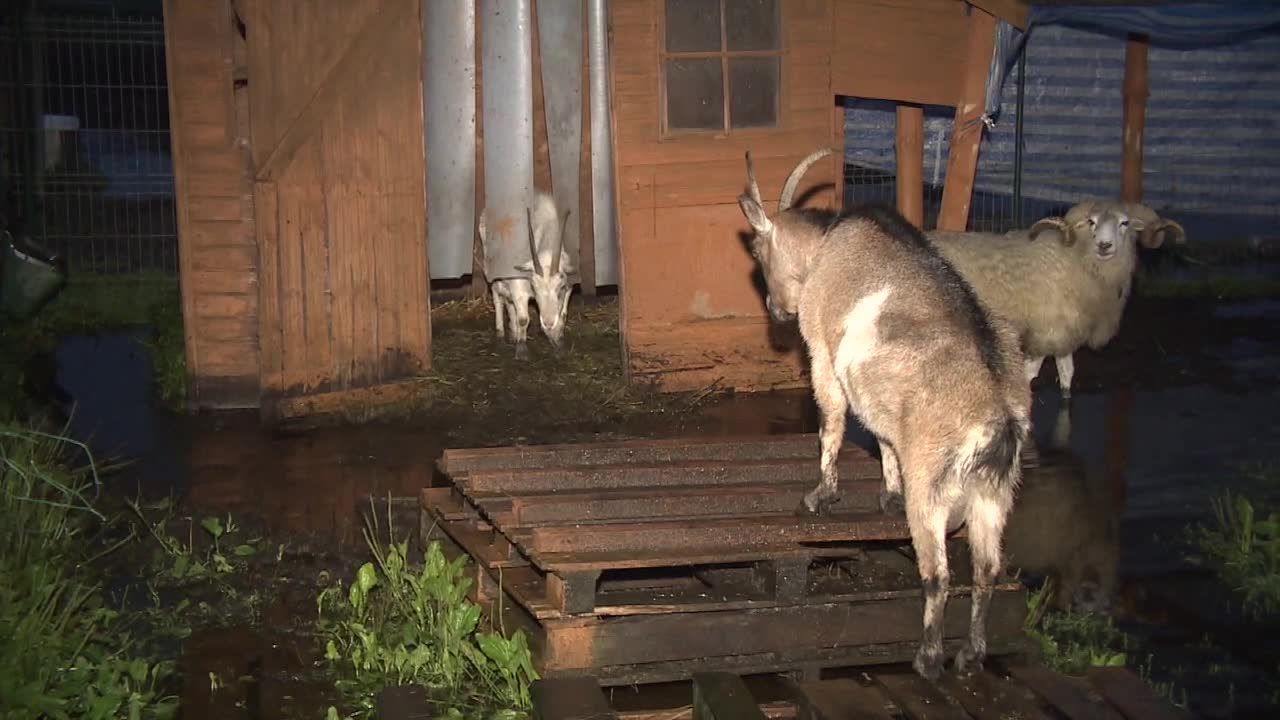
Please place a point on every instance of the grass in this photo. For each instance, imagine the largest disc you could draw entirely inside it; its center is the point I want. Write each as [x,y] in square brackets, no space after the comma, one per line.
[63,652]
[1070,642]
[394,626]
[1214,287]
[1242,545]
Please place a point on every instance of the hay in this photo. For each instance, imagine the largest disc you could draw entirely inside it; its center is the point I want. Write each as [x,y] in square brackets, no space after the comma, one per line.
[478,383]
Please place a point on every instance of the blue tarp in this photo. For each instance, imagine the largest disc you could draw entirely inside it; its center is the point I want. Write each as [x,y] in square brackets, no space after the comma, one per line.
[1182,26]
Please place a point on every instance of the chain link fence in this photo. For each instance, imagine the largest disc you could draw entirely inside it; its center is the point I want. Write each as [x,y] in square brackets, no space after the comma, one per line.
[87,168]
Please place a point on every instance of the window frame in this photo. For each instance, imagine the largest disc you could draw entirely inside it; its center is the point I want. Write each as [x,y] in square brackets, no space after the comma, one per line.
[726,129]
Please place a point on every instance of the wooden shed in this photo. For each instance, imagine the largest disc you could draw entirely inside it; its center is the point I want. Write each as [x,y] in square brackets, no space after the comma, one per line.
[298,142]
[697,84]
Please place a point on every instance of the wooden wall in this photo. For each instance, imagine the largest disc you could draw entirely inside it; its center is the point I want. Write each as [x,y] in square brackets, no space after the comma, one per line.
[337,140]
[216,244]
[692,313]
[905,50]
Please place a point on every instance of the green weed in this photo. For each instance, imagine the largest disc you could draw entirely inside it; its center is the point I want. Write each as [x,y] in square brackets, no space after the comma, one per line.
[394,625]
[63,653]
[1072,643]
[1243,546]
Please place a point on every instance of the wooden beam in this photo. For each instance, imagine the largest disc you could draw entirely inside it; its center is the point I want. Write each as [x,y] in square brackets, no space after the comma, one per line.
[966,136]
[909,154]
[1135,116]
[570,698]
[1013,12]
[343,77]
[723,696]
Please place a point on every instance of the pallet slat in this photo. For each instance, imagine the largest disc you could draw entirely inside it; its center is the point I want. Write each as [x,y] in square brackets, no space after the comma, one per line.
[1069,696]
[570,698]
[987,697]
[1131,696]
[918,699]
[842,699]
[723,696]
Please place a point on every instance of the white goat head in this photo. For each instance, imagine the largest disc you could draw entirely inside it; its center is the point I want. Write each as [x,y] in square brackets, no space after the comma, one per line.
[1108,229]
[547,267]
[784,244]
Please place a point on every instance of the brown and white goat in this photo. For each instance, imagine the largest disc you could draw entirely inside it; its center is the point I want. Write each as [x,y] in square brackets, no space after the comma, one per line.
[897,337]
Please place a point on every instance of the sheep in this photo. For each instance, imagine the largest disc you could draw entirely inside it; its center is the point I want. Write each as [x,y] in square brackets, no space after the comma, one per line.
[1059,296]
[547,282]
[896,336]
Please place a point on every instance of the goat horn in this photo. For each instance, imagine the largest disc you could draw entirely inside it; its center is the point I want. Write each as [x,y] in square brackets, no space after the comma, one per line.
[533,244]
[559,245]
[751,176]
[793,180]
[1051,223]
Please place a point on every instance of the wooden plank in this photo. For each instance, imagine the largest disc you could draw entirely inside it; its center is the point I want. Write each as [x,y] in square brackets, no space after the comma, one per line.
[345,75]
[1135,116]
[987,697]
[639,503]
[570,698]
[764,531]
[842,699]
[723,696]
[1068,695]
[337,402]
[573,593]
[1131,696]
[688,473]
[917,698]
[966,134]
[874,58]
[909,154]
[844,629]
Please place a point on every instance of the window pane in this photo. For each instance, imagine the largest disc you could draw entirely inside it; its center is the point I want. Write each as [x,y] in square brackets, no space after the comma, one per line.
[751,24]
[753,91]
[695,94]
[693,25]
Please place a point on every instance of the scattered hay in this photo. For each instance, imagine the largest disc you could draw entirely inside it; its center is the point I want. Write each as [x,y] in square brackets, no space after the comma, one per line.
[477,379]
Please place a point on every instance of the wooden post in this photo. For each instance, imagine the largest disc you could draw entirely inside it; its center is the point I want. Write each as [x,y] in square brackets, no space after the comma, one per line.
[1135,116]
[962,161]
[909,154]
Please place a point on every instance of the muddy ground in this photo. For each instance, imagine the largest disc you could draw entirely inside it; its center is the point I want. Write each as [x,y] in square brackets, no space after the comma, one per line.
[1163,419]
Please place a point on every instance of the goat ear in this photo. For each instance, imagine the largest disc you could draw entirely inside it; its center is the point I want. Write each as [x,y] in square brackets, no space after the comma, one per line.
[1153,235]
[755,215]
[1053,223]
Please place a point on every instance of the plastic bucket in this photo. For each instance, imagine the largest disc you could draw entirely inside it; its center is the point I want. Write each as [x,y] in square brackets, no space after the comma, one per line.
[28,280]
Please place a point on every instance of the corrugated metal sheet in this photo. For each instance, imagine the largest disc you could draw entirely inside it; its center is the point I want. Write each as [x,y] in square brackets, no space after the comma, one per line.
[1212,138]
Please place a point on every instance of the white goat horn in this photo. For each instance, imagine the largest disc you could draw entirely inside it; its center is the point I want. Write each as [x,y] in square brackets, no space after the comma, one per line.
[793,180]
[559,245]
[1152,232]
[533,244]
[751,176]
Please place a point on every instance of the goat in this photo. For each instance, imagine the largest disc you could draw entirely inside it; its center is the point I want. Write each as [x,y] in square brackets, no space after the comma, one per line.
[897,337]
[1059,296]
[546,283]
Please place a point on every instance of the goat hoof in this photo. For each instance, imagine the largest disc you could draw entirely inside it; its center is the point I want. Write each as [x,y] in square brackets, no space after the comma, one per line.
[816,503]
[928,666]
[969,661]
[892,503]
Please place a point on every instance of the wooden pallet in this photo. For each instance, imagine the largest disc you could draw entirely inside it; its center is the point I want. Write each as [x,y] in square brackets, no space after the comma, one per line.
[1023,692]
[642,561]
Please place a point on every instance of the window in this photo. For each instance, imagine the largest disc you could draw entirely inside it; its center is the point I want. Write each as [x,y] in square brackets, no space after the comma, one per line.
[721,65]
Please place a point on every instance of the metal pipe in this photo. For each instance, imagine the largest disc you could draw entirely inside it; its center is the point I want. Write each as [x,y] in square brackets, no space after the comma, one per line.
[1017,139]
[449,111]
[604,213]
[507,50]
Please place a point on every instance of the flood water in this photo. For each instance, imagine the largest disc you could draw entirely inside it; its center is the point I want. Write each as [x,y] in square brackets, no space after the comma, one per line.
[1162,421]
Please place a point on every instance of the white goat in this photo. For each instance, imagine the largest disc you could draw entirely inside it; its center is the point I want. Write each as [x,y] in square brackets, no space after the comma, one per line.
[896,336]
[547,282]
[1059,295]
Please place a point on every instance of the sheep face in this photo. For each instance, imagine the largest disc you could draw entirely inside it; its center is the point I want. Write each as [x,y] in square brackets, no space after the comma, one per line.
[784,244]
[1108,230]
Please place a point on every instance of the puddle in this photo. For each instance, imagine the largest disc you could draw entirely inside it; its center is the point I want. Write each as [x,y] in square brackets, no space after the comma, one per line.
[1160,423]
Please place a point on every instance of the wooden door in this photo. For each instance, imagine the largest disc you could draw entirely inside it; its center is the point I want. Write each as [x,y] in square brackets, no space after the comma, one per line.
[337,138]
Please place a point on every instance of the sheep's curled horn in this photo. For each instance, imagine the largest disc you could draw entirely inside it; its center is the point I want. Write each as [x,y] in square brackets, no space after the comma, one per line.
[1153,227]
[1053,223]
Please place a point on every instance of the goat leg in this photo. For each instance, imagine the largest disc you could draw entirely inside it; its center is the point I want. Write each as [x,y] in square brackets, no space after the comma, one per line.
[499,310]
[928,522]
[522,329]
[891,502]
[834,409]
[988,511]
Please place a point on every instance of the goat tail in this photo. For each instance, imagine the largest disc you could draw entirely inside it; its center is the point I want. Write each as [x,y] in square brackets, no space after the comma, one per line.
[996,454]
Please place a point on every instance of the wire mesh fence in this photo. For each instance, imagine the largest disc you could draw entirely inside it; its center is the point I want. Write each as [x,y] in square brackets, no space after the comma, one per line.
[87,162]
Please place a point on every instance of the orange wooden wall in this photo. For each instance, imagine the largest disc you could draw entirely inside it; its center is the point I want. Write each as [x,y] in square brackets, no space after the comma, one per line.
[691,311]
[905,50]
[216,245]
